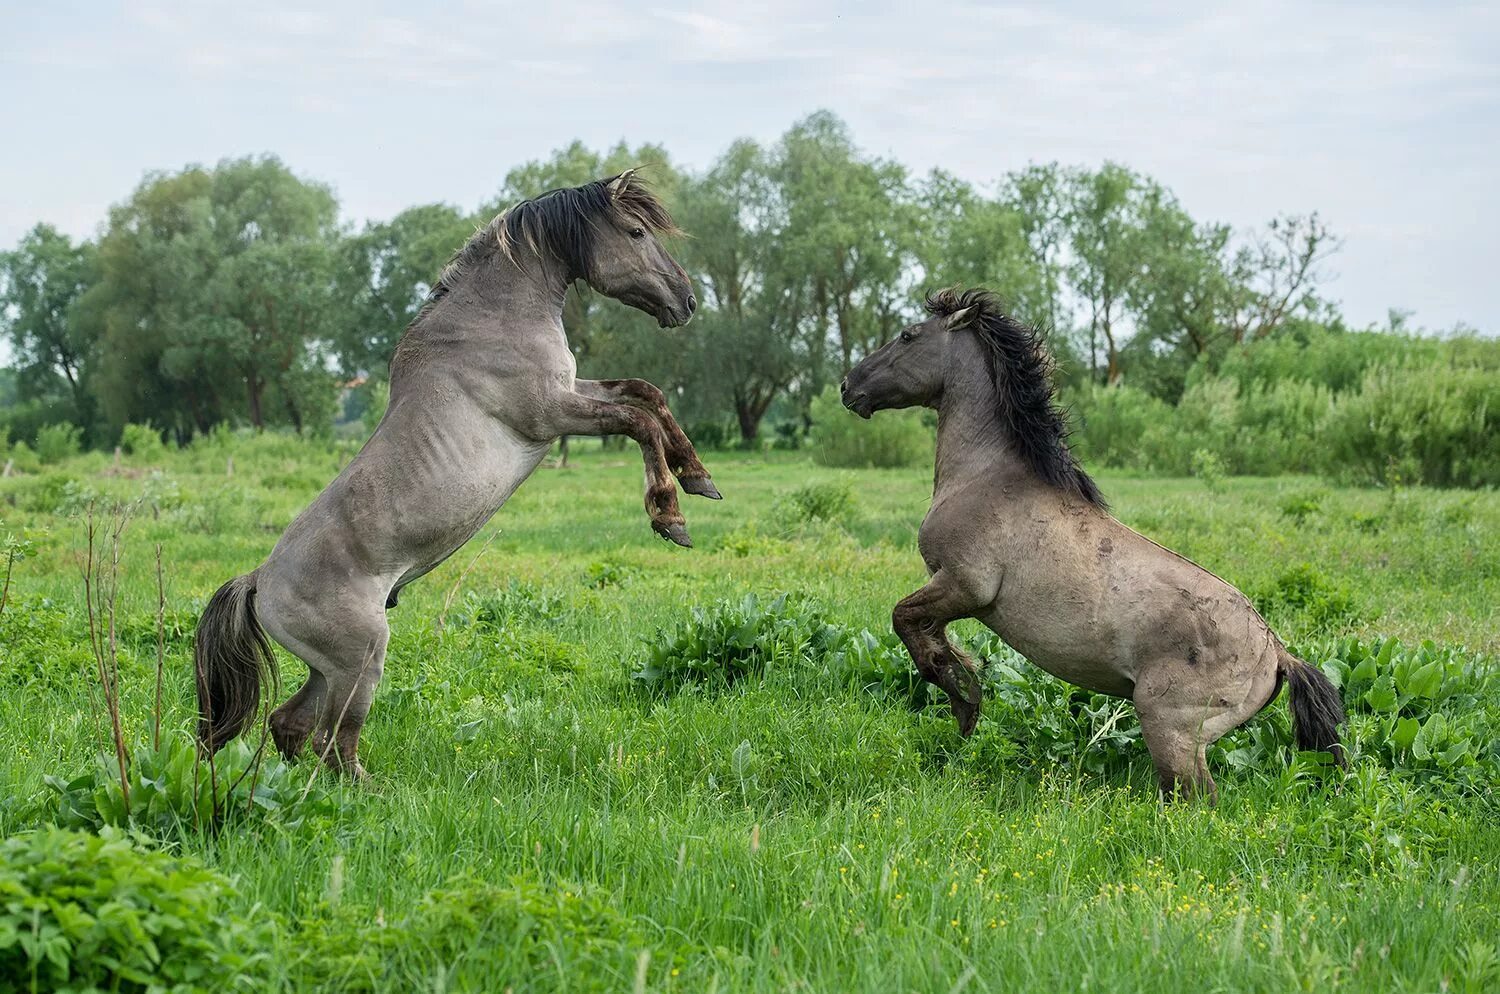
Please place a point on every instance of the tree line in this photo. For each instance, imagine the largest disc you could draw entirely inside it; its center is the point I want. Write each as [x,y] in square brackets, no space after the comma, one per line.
[234,294]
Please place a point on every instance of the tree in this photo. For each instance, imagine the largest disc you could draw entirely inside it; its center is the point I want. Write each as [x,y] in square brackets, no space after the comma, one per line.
[969,239]
[1276,276]
[41,282]
[743,345]
[1105,218]
[847,225]
[215,299]
[383,276]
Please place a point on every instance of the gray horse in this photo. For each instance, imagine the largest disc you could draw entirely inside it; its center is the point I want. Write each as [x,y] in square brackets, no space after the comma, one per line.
[1019,537]
[481,384]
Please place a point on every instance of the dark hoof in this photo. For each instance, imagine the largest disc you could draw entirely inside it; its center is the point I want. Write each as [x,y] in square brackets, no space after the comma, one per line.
[702,486]
[673,533]
[967,716]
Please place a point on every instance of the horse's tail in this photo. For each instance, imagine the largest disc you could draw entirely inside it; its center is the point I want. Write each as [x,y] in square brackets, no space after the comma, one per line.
[1317,708]
[232,657]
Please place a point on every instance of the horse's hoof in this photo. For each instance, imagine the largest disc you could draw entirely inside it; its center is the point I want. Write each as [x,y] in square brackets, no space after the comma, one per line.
[673,533]
[701,486]
[967,716]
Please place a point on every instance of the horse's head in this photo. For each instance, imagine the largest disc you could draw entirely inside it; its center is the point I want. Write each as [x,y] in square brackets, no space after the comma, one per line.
[627,260]
[907,371]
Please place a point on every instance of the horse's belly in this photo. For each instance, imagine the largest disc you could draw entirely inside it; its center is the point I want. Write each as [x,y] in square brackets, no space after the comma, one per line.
[1066,644]
[450,508]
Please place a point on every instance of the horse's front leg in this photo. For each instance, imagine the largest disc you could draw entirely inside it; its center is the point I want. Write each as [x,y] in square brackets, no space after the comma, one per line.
[921,620]
[575,414]
[682,458]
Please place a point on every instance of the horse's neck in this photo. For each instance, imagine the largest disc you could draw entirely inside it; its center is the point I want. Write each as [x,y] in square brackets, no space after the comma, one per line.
[526,284]
[971,439]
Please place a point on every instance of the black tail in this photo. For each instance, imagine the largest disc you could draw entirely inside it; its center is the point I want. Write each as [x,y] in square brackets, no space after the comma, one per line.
[233,658]
[1317,708]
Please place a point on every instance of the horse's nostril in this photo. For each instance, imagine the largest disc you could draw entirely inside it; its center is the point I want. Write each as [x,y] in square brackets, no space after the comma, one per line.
[844,389]
[692,303]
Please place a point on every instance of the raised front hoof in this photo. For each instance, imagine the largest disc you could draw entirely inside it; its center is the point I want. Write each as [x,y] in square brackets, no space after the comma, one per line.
[701,486]
[966,714]
[674,532]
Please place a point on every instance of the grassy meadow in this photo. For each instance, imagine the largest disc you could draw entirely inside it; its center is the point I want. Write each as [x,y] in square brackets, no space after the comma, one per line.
[602,763]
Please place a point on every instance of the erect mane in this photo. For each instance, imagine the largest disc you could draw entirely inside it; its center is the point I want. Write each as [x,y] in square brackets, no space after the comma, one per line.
[1021,371]
[558,225]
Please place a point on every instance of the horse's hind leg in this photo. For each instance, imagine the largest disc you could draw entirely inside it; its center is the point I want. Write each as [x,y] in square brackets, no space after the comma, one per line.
[342,636]
[294,721]
[1180,758]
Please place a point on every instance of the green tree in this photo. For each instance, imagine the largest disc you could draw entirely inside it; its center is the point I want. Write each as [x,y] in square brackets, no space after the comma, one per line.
[1106,211]
[41,283]
[216,299]
[742,350]
[383,276]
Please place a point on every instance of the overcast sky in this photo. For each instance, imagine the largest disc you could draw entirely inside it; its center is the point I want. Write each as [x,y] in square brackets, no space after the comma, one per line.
[1384,117]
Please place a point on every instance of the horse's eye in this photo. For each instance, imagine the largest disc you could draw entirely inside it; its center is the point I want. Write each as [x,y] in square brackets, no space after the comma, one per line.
[906,336]
[637,232]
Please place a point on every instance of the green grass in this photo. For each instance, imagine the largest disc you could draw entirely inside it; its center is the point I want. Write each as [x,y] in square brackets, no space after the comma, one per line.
[538,822]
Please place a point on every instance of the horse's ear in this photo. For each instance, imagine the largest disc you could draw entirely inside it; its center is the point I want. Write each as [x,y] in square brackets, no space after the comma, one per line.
[961,318]
[619,183]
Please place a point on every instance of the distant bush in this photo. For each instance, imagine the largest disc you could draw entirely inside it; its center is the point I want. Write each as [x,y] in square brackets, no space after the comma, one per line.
[1430,424]
[1113,426]
[890,440]
[82,912]
[711,434]
[832,500]
[54,443]
[1433,422]
[142,441]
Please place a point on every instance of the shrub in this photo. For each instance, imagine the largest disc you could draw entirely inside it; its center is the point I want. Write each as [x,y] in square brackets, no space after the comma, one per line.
[54,443]
[81,912]
[890,440]
[1208,467]
[1307,593]
[730,640]
[1428,424]
[172,789]
[142,441]
[832,500]
[1113,425]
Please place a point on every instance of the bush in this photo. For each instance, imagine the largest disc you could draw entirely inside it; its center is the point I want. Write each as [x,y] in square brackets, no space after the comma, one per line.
[890,440]
[832,500]
[82,912]
[142,441]
[731,640]
[1312,598]
[1428,424]
[54,443]
[174,790]
[1113,425]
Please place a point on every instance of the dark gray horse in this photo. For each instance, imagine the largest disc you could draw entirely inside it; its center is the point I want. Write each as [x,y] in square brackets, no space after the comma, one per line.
[481,384]
[1019,537]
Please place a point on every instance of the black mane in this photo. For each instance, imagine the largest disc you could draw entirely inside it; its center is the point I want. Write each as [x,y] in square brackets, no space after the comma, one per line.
[1021,371]
[558,225]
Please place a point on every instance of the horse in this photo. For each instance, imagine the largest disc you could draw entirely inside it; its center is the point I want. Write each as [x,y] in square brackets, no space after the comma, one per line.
[481,383]
[1019,537]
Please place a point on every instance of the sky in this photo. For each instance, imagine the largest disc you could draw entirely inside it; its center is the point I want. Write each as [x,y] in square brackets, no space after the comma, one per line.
[1385,118]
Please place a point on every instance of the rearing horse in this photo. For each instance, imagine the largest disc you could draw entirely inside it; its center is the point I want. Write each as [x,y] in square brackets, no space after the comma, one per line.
[481,384]
[1019,537]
